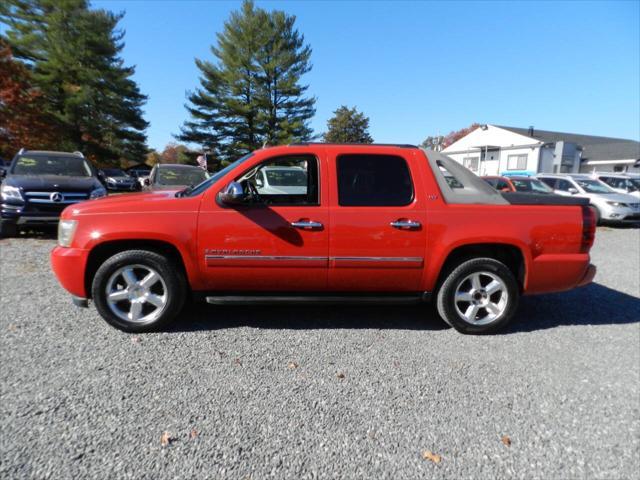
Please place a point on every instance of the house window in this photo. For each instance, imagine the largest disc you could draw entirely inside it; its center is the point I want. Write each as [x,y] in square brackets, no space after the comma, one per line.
[517,162]
[471,163]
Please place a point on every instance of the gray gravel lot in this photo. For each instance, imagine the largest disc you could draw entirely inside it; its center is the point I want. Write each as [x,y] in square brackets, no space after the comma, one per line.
[293,392]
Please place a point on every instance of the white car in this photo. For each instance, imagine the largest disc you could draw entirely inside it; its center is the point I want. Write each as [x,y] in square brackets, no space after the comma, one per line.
[276,180]
[610,206]
[621,182]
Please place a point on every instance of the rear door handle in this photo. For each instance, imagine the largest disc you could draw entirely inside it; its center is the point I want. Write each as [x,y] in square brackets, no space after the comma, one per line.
[403,224]
[307,225]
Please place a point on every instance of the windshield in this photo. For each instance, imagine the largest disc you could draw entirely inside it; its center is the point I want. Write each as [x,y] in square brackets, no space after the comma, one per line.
[52,165]
[113,172]
[286,178]
[634,184]
[180,176]
[198,189]
[530,185]
[593,186]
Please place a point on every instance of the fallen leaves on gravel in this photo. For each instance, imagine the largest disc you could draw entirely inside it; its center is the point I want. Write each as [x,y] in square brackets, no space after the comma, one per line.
[340,375]
[166,439]
[429,455]
[292,365]
[135,340]
[506,440]
[237,361]
[193,434]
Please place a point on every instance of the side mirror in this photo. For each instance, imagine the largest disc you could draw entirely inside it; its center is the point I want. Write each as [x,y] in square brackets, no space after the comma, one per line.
[233,194]
[147,182]
[259,182]
[573,191]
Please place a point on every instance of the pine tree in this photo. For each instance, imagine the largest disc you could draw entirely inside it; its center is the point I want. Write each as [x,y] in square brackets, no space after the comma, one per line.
[348,126]
[73,53]
[252,94]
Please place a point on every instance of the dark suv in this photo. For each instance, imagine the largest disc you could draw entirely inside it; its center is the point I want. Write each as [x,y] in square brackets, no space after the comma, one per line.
[38,185]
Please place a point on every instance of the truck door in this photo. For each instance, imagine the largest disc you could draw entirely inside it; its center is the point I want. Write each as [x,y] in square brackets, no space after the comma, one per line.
[377,236]
[279,243]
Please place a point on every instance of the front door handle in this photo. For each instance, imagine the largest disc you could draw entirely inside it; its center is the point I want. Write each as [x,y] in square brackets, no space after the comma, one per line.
[306,225]
[403,224]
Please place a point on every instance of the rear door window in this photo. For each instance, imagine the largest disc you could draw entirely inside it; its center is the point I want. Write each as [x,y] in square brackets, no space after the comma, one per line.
[373,180]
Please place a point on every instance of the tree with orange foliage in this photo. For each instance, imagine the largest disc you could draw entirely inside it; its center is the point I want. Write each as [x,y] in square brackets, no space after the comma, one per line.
[441,142]
[23,122]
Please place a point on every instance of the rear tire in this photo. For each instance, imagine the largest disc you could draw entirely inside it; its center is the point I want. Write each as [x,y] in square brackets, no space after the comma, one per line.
[479,296]
[139,290]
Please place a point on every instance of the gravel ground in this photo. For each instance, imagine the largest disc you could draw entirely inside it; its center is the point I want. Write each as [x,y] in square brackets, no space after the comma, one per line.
[321,392]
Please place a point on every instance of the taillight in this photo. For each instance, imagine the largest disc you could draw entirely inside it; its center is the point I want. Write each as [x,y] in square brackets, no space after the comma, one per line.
[588,228]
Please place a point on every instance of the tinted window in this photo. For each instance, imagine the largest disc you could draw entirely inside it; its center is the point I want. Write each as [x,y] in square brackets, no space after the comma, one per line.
[551,182]
[373,180]
[502,185]
[178,176]
[564,185]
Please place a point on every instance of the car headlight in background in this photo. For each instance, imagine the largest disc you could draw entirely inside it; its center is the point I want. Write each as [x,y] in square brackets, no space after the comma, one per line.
[8,192]
[66,229]
[98,192]
[618,204]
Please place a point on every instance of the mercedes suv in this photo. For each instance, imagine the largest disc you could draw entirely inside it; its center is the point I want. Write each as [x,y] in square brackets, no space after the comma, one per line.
[38,185]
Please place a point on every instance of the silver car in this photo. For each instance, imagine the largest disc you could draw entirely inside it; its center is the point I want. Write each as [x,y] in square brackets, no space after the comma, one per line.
[621,182]
[609,205]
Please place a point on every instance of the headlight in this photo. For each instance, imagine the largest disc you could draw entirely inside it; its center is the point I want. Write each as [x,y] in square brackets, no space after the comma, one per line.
[66,229]
[9,192]
[618,204]
[98,192]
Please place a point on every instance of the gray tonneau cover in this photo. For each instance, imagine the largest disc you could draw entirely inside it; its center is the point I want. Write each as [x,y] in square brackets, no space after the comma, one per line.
[475,189]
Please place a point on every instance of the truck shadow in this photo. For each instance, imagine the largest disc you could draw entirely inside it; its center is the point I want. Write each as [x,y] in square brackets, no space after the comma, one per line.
[591,305]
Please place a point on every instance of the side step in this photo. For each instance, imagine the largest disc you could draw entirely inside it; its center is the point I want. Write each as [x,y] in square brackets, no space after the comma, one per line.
[316,299]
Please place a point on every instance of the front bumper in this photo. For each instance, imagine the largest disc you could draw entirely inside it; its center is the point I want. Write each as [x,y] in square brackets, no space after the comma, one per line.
[69,265]
[621,215]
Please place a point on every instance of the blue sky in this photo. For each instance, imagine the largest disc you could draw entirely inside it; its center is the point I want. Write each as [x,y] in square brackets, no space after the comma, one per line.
[418,68]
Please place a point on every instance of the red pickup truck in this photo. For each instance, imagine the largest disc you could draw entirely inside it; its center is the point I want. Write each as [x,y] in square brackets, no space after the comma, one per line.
[325,223]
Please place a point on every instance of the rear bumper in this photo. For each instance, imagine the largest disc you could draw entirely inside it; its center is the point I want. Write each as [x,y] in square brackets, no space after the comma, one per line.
[68,265]
[558,272]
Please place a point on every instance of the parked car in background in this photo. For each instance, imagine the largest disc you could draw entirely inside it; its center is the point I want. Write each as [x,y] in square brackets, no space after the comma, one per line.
[167,176]
[373,223]
[115,179]
[38,185]
[609,205]
[518,184]
[621,182]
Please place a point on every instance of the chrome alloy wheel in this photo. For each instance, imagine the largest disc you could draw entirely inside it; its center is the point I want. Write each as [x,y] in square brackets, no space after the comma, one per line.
[136,293]
[481,298]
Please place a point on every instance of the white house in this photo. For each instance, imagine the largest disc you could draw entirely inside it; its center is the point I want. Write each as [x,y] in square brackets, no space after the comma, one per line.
[498,150]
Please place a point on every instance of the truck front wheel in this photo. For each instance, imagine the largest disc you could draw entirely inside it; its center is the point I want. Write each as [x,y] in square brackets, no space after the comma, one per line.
[479,296]
[138,290]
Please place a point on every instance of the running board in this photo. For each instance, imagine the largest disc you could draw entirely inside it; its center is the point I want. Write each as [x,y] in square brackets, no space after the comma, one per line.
[317,299]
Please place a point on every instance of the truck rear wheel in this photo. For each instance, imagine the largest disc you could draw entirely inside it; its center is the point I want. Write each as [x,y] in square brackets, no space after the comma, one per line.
[479,296]
[138,290]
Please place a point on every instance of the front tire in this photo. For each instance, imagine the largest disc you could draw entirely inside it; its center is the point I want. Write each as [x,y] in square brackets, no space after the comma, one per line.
[138,290]
[479,296]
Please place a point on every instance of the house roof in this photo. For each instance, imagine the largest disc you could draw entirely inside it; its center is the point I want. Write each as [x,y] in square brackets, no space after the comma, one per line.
[593,147]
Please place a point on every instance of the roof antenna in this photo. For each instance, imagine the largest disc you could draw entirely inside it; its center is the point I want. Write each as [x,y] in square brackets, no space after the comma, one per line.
[531,130]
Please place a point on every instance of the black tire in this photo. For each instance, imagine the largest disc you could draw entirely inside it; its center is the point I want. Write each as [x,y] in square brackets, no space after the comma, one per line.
[172,280]
[8,229]
[448,308]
